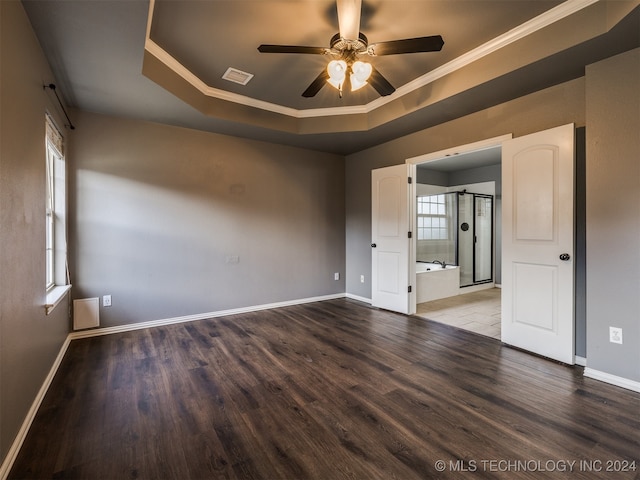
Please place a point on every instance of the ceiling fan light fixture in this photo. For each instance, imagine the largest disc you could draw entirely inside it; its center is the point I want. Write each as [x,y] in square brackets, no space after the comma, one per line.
[360,73]
[347,45]
[337,70]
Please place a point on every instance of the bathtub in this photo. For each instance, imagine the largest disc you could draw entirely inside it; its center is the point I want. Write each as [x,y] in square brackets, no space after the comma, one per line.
[434,282]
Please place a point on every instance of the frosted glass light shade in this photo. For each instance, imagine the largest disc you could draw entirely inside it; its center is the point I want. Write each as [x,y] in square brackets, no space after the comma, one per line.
[361,72]
[337,70]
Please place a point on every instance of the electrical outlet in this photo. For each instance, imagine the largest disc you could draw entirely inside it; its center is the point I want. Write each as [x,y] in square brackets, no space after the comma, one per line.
[106,300]
[361,278]
[615,335]
[336,276]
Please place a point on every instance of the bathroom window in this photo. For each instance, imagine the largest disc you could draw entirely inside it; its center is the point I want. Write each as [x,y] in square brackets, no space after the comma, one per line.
[432,218]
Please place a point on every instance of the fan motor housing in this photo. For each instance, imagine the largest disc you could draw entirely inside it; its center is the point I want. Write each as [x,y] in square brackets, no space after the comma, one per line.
[343,45]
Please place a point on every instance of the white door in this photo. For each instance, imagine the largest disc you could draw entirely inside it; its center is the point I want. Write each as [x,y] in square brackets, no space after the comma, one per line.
[389,238]
[537,243]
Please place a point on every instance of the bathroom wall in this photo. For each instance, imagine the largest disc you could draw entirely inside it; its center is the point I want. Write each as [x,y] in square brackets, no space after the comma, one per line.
[427,176]
[488,173]
[446,250]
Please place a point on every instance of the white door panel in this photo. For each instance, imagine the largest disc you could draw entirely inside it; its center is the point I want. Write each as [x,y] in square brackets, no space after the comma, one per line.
[535,193]
[535,311]
[538,227]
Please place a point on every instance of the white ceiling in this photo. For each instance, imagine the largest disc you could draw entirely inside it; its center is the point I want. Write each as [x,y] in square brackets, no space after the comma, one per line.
[163,61]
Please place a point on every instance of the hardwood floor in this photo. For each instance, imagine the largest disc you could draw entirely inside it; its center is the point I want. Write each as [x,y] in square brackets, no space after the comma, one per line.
[327,390]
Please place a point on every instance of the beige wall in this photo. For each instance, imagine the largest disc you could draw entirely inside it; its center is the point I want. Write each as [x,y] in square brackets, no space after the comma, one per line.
[29,339]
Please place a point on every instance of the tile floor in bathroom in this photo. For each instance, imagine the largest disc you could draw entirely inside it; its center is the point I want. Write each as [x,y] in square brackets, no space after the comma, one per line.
[476,311]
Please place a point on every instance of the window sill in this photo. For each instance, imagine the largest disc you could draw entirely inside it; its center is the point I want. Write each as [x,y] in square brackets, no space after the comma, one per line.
[55,296]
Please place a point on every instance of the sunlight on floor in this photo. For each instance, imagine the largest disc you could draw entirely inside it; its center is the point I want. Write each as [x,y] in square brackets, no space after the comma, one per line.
[478,312]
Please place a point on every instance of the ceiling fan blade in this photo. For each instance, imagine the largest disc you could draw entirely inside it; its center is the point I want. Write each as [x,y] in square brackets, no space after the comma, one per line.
[381,84]
[291,49]
[317,84]
[433,43]
[349,18]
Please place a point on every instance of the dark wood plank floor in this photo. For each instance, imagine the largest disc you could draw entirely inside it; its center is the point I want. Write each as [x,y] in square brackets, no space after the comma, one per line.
[326,390]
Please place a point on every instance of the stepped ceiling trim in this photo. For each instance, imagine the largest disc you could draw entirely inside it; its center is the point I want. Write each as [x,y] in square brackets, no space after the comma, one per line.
[534,25]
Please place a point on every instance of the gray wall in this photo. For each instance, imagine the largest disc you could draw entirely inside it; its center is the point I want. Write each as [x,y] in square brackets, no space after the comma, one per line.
[580,252]
[432,177]
[160,214]
[29,339]
[613,214]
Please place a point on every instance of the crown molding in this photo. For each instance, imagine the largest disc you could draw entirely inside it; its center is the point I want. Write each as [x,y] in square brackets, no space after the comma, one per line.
[543,20]
[564,10]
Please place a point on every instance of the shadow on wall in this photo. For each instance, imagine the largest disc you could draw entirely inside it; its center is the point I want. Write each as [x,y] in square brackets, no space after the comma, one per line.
[174,222]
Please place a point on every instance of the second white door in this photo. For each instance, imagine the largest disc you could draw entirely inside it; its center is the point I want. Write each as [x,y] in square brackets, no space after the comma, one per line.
[538,243]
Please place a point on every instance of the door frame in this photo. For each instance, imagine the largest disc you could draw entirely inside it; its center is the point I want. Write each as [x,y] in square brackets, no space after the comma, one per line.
[413,162]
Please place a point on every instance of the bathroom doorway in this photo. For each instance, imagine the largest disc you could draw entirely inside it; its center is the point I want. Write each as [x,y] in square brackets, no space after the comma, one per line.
[469,181]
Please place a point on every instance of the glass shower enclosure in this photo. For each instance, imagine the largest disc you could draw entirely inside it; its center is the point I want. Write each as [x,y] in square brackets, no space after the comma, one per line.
[475,238]
[457,228]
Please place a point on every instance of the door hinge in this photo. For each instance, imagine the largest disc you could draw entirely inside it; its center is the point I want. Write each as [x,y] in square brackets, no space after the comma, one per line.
[410,180]
[409,288]
[409,235]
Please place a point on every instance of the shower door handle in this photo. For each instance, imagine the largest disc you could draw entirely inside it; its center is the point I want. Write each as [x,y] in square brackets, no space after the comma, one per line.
[564,257]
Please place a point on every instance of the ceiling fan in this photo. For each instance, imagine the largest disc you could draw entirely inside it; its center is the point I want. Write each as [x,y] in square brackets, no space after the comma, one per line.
[346,48]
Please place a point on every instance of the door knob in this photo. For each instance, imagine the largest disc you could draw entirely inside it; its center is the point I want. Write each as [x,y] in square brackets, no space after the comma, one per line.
[373,245]
[564,257]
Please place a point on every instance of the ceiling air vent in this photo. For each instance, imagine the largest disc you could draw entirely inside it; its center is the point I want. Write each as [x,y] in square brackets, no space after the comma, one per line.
[237,76]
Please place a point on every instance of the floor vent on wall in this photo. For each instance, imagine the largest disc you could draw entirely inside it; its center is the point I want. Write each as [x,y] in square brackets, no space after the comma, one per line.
[86,313]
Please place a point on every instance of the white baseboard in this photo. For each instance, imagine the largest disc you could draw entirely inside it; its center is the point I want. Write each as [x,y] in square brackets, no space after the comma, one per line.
[199,316]
[358,298]
[580,361]
[12,454]
[612,379]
